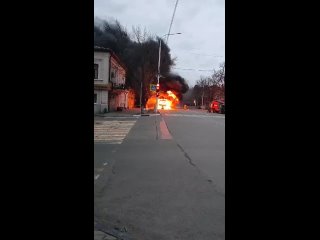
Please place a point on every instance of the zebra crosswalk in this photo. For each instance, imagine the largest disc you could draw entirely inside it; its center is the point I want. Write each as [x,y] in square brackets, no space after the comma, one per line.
[112,132]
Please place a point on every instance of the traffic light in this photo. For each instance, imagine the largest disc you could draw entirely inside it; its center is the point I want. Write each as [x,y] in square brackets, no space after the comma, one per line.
[157,90]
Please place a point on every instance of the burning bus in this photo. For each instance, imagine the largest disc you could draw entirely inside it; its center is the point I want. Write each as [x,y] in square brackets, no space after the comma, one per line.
[166,101]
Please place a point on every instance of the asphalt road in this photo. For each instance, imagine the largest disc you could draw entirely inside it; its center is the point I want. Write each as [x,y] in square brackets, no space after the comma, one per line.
[202,136]
[165,180]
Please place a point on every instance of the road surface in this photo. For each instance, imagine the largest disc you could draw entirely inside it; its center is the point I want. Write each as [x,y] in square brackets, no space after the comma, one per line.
[162,176]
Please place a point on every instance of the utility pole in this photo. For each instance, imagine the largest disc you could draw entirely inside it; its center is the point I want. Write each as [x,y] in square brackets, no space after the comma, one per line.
[158,75]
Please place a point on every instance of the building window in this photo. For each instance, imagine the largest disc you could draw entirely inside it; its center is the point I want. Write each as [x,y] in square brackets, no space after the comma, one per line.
[95,98]
[96,67]
[113,75]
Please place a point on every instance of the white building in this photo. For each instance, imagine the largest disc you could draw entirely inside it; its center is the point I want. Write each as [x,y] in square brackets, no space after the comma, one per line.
[110,93]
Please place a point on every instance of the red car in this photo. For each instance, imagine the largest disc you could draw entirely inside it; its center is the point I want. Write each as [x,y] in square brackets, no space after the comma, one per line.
[217,107]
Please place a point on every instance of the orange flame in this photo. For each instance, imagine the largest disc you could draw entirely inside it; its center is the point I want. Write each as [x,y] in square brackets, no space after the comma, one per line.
[164,104]
[171,94]
[167,101]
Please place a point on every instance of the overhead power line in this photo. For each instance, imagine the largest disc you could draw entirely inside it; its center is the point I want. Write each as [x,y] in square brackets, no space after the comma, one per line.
[174,11]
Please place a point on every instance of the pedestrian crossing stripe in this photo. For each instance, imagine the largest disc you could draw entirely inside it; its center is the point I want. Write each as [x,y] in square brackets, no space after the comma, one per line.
[112,132]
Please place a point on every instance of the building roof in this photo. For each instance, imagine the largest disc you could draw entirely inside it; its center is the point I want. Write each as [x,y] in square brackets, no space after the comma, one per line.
[102,49]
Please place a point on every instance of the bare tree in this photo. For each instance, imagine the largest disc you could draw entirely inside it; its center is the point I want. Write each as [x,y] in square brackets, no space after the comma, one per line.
[210,88]
[204,85]
[140,35]
[220,78]
[219,75]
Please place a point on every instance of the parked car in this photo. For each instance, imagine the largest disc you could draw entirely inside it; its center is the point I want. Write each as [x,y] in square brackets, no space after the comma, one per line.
[217,107]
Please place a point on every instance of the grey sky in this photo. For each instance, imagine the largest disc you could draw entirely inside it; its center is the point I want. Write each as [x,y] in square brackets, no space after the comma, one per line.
[201,46]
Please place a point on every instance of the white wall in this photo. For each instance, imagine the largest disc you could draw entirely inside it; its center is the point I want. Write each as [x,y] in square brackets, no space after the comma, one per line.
[102,59]
[102,101]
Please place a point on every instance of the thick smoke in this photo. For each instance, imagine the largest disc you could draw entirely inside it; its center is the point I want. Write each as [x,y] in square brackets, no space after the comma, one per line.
[174,83]
[139,56]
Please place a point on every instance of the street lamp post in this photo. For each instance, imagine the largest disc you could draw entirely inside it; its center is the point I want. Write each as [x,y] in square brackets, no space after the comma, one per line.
[158,75]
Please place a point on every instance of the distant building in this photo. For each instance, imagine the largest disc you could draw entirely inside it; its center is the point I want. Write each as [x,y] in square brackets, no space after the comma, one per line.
[110,93]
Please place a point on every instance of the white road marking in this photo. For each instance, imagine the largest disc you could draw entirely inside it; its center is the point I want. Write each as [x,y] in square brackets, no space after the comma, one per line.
[105,164]
[112,132]
[96,177]
[113,136]
[107,142]
[119,117]
[99,169]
